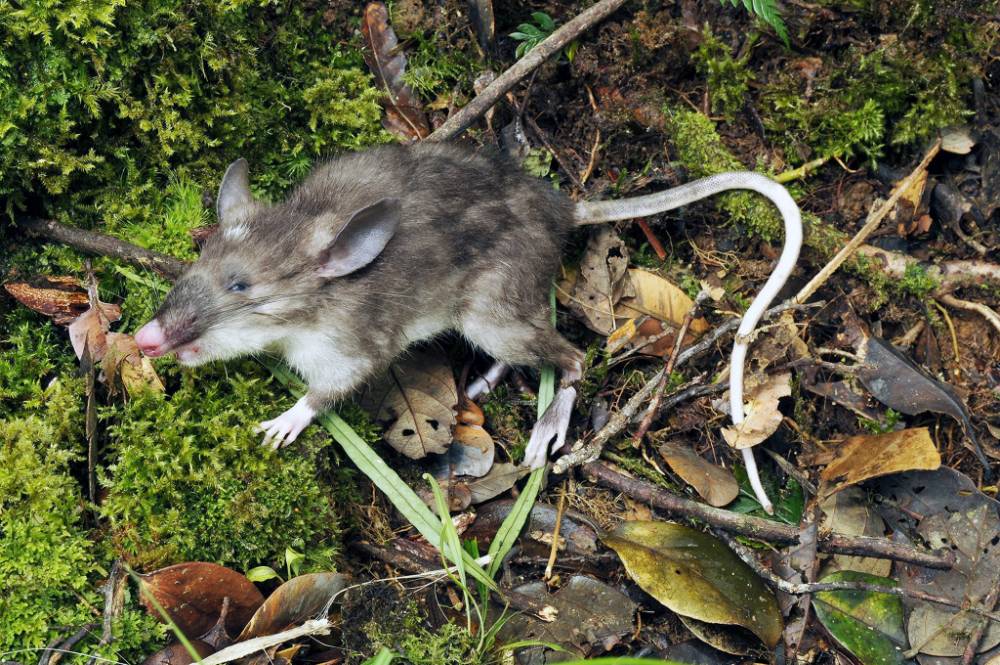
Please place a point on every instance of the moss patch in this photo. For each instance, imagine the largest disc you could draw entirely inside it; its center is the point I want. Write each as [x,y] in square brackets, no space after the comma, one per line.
[191,480]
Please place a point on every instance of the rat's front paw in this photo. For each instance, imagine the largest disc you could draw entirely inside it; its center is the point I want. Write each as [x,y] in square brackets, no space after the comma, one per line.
[285,428]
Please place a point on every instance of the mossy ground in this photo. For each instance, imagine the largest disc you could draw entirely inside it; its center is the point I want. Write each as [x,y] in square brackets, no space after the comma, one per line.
[121,117]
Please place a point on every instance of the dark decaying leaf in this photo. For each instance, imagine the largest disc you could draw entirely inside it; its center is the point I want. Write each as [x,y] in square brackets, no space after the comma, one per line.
[592,616]
[944,509]
[869,625]
[415,399]
[297,600]
[734,640]
[500,479]
[696,575]
[177,654]
[404,114]
[578,536]
[60,298]
[899,383]
[601,282]
[193,593]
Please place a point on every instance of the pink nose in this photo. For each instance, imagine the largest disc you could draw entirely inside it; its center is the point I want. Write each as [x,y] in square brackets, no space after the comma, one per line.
[151,339]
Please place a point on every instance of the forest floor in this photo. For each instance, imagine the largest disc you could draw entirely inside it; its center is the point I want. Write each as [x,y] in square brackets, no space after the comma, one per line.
[874,401]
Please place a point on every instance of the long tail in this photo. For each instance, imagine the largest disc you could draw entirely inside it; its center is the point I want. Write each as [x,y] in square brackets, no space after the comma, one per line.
[650,204]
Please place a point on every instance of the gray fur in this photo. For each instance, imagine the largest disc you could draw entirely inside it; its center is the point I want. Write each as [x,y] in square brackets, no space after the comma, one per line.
[477,244]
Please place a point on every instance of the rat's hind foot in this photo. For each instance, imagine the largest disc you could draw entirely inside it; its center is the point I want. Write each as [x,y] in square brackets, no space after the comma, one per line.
[487,381]
[551,427]
[285,428]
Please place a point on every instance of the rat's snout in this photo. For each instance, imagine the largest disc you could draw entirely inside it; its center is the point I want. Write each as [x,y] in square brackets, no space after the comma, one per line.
[151,339]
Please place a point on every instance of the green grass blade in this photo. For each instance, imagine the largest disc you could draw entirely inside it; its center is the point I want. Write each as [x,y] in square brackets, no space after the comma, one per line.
[388,481]
[510,529]
[451,544]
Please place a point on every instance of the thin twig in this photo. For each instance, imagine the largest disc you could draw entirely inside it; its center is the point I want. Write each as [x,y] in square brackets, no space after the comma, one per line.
[763,529]
[870,225]
[555,533]
[990,602]
[549,47]
[587,451]
[986,312]
[668,369]
[744,553]
[654,242]
[103,245]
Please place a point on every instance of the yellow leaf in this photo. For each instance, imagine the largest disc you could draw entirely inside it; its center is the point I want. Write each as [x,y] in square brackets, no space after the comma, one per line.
[697,576]
[862,457]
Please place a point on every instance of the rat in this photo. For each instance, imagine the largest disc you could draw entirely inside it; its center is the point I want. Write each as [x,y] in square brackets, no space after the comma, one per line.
[380,249]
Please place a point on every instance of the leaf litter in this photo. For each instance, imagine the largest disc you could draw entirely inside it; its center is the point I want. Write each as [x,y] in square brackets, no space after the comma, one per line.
[867,488]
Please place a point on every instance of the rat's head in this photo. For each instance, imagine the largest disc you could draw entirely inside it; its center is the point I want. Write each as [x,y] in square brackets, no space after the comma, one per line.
[258,274]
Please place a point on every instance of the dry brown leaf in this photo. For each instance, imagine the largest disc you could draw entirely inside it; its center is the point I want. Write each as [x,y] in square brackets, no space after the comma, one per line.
[404,115]
[600,282]
[61,298]
[762,415]
[906,213]
[192,594]
[414,399]
[500,479]
[866,456]
[297,600]
[91,328]
[660,298]
[122,359]
[716,485]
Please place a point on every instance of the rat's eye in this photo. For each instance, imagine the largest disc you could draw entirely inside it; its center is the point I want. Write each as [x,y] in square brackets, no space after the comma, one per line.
[237,287]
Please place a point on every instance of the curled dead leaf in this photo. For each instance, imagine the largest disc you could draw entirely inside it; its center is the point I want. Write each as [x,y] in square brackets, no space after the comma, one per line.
[716,485]
[762,415]
[404,115]
[193,594]
[60,298]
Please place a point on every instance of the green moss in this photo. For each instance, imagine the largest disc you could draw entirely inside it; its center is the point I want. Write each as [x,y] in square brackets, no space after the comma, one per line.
[102,100]
[45,558]
[858,101]
[48,565]
[403,630]
[917,282]
[727,77]
[191,480]
[700,149]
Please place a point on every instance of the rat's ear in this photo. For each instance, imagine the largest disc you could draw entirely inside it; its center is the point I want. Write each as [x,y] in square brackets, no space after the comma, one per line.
[235,199]
[362,239]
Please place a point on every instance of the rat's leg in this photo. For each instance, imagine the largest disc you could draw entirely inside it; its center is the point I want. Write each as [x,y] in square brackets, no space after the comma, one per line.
[330,376]
[487,381]
[533,342]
